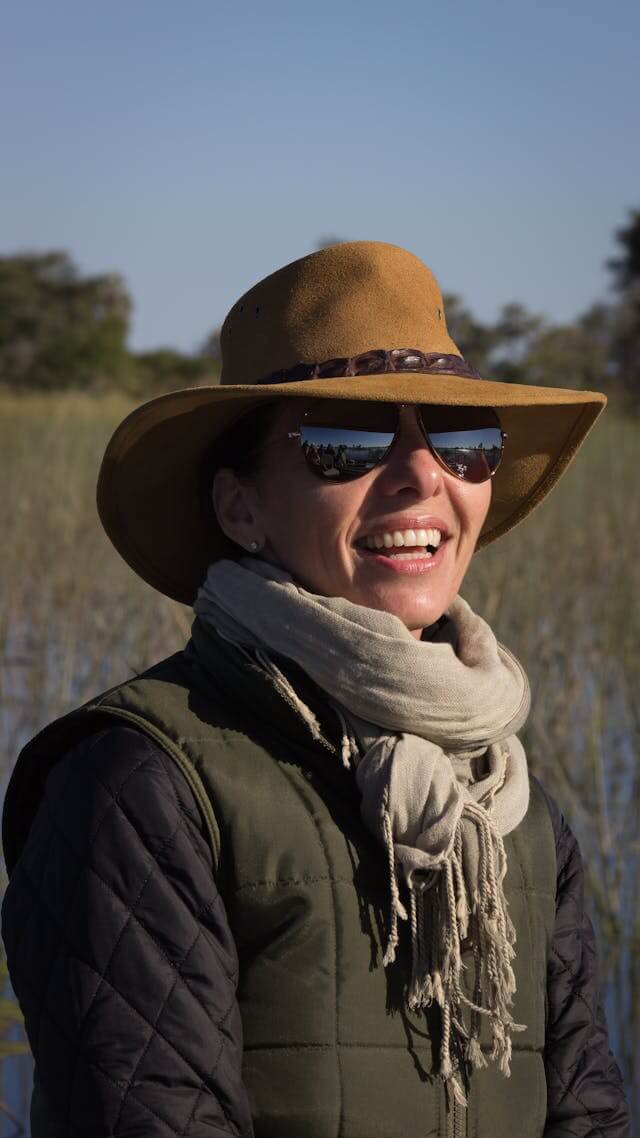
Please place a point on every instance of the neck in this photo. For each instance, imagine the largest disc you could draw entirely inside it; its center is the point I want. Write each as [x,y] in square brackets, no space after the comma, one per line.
[442,630]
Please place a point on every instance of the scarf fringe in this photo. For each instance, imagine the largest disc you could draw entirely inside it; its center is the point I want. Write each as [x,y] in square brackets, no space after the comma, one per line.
[440,919]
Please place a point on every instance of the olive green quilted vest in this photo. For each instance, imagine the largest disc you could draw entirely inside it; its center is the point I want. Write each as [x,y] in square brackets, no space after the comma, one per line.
[330,1049]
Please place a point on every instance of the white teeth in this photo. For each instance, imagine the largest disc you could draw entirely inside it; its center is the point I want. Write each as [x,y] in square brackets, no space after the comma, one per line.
[420,555]
[398,538]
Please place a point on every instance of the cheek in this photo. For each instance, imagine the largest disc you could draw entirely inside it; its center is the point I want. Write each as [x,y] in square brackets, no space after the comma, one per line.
[480,504]
[472,504]
[315,522]
[336,510]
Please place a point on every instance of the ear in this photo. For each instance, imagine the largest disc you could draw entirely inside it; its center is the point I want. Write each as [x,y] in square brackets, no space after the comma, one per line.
[235,504]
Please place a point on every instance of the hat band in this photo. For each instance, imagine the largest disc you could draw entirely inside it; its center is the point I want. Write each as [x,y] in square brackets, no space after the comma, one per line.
[376,362]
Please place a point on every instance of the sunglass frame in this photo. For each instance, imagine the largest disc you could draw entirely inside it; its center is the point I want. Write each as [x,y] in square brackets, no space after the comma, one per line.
[383,458]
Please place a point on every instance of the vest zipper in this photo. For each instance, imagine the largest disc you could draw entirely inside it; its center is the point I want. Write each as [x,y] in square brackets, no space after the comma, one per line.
[458,1121]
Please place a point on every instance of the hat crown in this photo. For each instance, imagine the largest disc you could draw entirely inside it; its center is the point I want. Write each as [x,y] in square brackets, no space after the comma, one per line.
[341,301]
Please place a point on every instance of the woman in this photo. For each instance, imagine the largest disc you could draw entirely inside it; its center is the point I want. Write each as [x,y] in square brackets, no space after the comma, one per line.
[296,879]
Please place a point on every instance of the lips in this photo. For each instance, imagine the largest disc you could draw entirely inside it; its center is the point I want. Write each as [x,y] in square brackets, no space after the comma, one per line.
[408,566]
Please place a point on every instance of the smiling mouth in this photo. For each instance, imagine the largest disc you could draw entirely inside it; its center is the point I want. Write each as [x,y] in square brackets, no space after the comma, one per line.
[403,553]
[410,562]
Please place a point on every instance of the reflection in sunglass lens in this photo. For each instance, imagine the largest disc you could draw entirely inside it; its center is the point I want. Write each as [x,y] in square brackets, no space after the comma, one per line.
[339,452]
[349,438]
[471,454]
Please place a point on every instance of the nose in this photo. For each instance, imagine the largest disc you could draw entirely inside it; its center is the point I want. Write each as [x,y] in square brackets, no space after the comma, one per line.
[410,462]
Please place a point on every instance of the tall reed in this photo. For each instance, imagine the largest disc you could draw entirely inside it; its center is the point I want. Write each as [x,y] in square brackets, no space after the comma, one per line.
[561,590]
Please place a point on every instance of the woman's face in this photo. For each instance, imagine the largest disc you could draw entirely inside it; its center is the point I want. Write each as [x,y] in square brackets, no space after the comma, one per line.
[311,527]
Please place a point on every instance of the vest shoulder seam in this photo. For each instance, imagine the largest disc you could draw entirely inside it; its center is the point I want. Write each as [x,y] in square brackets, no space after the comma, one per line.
[187,767]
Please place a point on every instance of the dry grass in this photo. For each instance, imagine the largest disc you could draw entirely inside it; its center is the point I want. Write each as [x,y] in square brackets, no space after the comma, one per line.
[73,617]
[561,591]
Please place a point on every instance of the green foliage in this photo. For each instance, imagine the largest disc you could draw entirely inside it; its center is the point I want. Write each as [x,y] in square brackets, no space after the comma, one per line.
[60,330]
[57,329]
[625,348]
[82,355]
[210,349]
[168,370]
[515,333]
[522,347]
[566,356]
[626,268]
[476,341]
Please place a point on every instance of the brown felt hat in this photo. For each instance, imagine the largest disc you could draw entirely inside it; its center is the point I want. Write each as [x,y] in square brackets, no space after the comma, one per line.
[360,320]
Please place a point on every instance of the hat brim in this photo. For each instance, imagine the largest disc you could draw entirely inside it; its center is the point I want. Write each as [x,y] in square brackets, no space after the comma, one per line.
[149,492]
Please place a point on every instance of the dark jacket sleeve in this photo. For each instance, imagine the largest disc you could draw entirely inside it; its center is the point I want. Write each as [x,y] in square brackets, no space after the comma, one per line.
[120,953]
[586,1098]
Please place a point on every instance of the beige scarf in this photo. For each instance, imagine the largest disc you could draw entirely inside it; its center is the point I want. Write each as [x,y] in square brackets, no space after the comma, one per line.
[431,737]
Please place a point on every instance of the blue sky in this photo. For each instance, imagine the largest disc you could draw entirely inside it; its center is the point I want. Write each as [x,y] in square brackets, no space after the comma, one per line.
[195,146]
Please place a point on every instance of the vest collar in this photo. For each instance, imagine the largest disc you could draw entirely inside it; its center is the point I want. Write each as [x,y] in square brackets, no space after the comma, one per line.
[246,686]
[249,693]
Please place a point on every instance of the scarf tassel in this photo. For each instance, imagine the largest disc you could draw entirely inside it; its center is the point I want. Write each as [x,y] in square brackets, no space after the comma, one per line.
[440,918]
[436,959]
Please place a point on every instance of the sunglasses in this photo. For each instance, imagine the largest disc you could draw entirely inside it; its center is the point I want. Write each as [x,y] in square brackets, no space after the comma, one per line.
[350,438]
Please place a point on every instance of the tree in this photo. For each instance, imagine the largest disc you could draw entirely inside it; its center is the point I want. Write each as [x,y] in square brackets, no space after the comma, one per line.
[210,349]
[626,269]
[567,355]
[514,334]
[58,329]
[626,331]
[167,370]
[476,341]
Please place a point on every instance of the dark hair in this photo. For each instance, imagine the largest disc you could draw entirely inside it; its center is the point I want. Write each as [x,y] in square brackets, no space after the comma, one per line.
[239,447]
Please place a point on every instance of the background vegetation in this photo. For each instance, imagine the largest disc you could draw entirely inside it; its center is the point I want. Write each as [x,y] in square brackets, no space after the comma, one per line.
[561,590]
[61,331]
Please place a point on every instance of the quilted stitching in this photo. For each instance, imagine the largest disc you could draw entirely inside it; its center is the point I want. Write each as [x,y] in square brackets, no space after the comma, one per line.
[131,916]
[584,1085]
[123,1085]
[125,967]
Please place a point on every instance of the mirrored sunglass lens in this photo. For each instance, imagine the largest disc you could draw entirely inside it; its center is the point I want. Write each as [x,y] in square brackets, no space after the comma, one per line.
[471,454]
[343,452]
